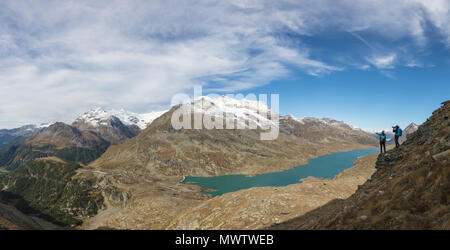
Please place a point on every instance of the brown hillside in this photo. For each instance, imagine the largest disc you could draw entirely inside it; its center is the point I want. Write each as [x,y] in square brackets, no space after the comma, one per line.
[409,190]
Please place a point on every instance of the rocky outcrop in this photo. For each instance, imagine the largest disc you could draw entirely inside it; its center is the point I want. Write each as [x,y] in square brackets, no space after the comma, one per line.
[409,190]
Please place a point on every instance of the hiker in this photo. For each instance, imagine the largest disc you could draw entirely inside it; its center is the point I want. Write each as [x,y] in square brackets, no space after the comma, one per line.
[397,132]
[382,138]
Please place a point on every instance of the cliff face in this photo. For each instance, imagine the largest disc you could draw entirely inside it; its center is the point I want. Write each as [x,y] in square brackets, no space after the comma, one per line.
[409,190]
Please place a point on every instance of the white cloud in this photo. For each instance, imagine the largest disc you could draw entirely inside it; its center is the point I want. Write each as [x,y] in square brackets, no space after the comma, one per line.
[59,58]
[383,61]
[438,12]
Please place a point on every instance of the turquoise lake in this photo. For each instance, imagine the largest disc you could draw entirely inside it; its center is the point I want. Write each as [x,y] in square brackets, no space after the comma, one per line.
[326,166]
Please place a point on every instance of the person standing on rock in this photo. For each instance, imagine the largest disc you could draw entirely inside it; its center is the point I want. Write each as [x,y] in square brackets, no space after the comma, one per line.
[382,138]
[397,133]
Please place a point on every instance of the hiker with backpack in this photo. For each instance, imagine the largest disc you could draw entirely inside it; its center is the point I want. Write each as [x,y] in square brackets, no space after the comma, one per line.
[397,132]
[382,138]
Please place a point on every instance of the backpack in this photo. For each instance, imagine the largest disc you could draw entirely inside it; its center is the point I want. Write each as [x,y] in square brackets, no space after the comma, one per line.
[383,138]
[400,132]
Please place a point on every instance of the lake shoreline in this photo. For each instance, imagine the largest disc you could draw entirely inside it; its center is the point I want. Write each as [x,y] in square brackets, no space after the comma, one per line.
[326,166]
[261,207]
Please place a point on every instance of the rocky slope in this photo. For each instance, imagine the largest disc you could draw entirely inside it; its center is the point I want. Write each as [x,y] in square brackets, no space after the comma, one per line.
[324,130]
[13,219]
[409,190]
[60,140]
[260,207]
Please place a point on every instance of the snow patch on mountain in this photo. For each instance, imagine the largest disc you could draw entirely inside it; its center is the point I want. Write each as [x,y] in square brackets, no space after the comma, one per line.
[100,116]
[246,113]
[44,125]
[252,113]
[140,120]
[321,121]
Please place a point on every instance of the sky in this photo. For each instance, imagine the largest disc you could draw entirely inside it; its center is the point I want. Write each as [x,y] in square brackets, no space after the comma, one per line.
[371,63]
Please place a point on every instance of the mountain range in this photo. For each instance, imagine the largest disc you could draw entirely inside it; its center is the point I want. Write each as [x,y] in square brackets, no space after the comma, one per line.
[148,168]
[128,167]
[83,141]
[9,136]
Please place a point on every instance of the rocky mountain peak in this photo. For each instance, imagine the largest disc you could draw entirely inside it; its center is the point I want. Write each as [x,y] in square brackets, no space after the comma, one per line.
[108,126]
[411,128]
[95,117]
[62,135]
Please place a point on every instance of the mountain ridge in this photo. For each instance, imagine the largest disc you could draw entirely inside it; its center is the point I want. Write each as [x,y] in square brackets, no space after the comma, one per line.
[140,178]
[149,168]
[409,190]
[59,139]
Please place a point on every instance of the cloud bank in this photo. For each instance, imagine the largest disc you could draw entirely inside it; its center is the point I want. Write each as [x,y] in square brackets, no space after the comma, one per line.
[60,58]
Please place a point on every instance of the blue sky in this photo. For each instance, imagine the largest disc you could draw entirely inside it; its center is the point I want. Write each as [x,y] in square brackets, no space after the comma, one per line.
[372,63]
[370,98]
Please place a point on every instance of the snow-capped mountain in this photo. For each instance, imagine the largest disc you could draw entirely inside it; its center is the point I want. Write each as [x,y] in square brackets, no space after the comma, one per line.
[140,120]
[246,113]
[115,126]
[100,116]
[205,152]
[253,114]
[322,121]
